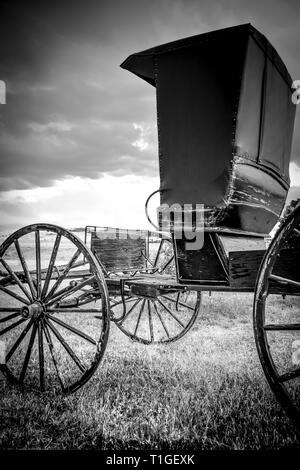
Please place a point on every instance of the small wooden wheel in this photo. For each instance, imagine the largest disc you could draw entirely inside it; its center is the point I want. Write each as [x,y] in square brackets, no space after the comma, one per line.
[49,336]
[163,319]
[277,317]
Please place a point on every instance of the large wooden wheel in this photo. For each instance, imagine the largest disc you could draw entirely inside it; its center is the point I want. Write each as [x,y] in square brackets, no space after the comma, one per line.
[277,317]
[163,318]
[49,336]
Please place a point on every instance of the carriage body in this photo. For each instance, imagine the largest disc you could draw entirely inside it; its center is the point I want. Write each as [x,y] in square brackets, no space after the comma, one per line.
[225,124]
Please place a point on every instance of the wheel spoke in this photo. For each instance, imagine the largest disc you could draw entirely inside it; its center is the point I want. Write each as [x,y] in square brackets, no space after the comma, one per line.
[28,353]
[10,317]
[16,279]
[161,320]
[289,375]
[75,310]
[71,290]
[16,296]
[63,274]
[150,321]
[74,330]
[25,268]
[283,280]
[139,317]
[10,327]
[171,313]
[129,311]
[282,327]
[38,262]
[19,340]
[41,356]
[51,265]
[9,309]
[69,350]
[183,304]
[51,349]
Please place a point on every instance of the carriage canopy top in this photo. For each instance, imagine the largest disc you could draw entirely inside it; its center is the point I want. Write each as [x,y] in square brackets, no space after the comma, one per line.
[225,124]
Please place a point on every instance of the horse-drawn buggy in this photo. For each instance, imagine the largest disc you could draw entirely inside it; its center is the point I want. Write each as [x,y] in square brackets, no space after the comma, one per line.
[225,122]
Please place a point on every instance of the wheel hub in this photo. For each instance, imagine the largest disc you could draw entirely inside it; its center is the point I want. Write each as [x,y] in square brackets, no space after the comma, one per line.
[35,309]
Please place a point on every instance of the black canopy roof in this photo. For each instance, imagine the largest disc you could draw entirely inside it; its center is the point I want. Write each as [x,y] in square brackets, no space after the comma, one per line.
[142,63]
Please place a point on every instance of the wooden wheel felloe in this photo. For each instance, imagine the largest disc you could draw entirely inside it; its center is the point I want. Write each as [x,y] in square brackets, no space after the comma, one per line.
[277,319]
[49,335]
[163,318]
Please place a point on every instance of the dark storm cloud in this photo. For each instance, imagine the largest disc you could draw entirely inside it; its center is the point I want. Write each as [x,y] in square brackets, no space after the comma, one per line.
[70,108]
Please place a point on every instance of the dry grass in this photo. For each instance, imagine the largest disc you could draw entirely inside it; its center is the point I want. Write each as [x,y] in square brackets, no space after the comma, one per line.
[206,391]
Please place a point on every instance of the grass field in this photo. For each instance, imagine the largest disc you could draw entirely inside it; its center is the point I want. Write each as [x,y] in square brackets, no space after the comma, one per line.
[206,391]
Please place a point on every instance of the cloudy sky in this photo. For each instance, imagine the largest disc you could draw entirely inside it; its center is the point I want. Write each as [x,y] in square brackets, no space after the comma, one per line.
[78,141]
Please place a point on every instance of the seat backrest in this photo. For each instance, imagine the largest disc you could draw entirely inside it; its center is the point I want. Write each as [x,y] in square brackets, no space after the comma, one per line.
[120,250]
